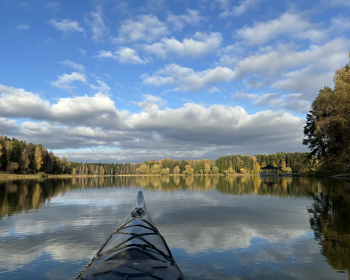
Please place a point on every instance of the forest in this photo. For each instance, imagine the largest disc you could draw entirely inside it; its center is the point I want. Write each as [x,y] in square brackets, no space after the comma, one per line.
[18,157]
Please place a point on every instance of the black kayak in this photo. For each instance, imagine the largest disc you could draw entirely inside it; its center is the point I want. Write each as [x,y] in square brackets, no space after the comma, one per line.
[135,250]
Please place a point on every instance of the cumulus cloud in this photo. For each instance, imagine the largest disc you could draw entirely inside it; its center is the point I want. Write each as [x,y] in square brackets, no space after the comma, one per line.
[285,68]
[290,24]
[95,110]
[8,126]
[103,54]
[186,79]
[190,131]
[123,55]
[67,26]
[200,44]
[66,80]
[74,137]
[128,55]
[145,28]
[20,103]
[305,80]
[204,124]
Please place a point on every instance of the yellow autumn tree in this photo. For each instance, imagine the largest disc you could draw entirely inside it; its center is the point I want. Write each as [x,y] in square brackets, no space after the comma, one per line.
[38,156]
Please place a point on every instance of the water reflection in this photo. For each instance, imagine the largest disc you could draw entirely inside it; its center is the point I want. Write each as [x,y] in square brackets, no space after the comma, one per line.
[216,222]
[330,221]
[23,195]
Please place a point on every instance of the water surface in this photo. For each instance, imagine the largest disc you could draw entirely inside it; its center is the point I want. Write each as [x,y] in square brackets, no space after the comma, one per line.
[216,227]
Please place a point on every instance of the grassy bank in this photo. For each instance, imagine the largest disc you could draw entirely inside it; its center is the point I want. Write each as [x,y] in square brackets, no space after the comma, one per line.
[4,176]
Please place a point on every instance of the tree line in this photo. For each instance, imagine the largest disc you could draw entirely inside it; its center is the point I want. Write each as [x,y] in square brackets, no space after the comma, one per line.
[18,157]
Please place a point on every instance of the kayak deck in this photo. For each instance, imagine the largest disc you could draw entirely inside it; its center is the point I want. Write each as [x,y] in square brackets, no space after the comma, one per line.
[135,250]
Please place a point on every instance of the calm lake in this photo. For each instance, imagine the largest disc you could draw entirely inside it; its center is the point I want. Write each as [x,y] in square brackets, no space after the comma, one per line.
[216,227]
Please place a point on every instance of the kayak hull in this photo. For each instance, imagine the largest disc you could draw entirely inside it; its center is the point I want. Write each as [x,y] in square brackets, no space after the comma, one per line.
[135,250]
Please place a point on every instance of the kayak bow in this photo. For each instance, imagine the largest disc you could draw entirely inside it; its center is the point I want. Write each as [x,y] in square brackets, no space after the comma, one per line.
[135,250]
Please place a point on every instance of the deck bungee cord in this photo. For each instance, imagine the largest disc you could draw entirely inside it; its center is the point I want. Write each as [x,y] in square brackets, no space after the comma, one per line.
[135,250]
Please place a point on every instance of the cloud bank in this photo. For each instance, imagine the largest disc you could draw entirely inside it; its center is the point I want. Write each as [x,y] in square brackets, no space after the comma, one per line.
[190,131]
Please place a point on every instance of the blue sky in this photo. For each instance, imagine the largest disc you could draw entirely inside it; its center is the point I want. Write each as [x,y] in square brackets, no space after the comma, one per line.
[129,81]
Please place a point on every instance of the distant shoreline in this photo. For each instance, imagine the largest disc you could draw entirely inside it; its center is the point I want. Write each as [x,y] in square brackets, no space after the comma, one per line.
[51,176]
[7,176]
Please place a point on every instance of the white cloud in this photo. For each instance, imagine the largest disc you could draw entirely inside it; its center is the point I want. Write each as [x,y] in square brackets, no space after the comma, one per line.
[186,79]
[128,55]
[8,127]
[195,131]
[65,81]
[96,22]
[285,68]
[97,110]
[302,106]
[151,103]
[72,136]
[190,131]
[288,24]
[275,101]
[305,80]
[270,99]
[123,55]
[339,24]
[242,8]
[145,28]
[200,44]
[20,103]
[76,66]
[197,128]
[105,54]
[244,95]
[101,88]
[66,26]
[179,21]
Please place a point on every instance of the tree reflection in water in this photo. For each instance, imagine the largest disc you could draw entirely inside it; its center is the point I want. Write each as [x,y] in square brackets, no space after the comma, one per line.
[329,213]
[329,219]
